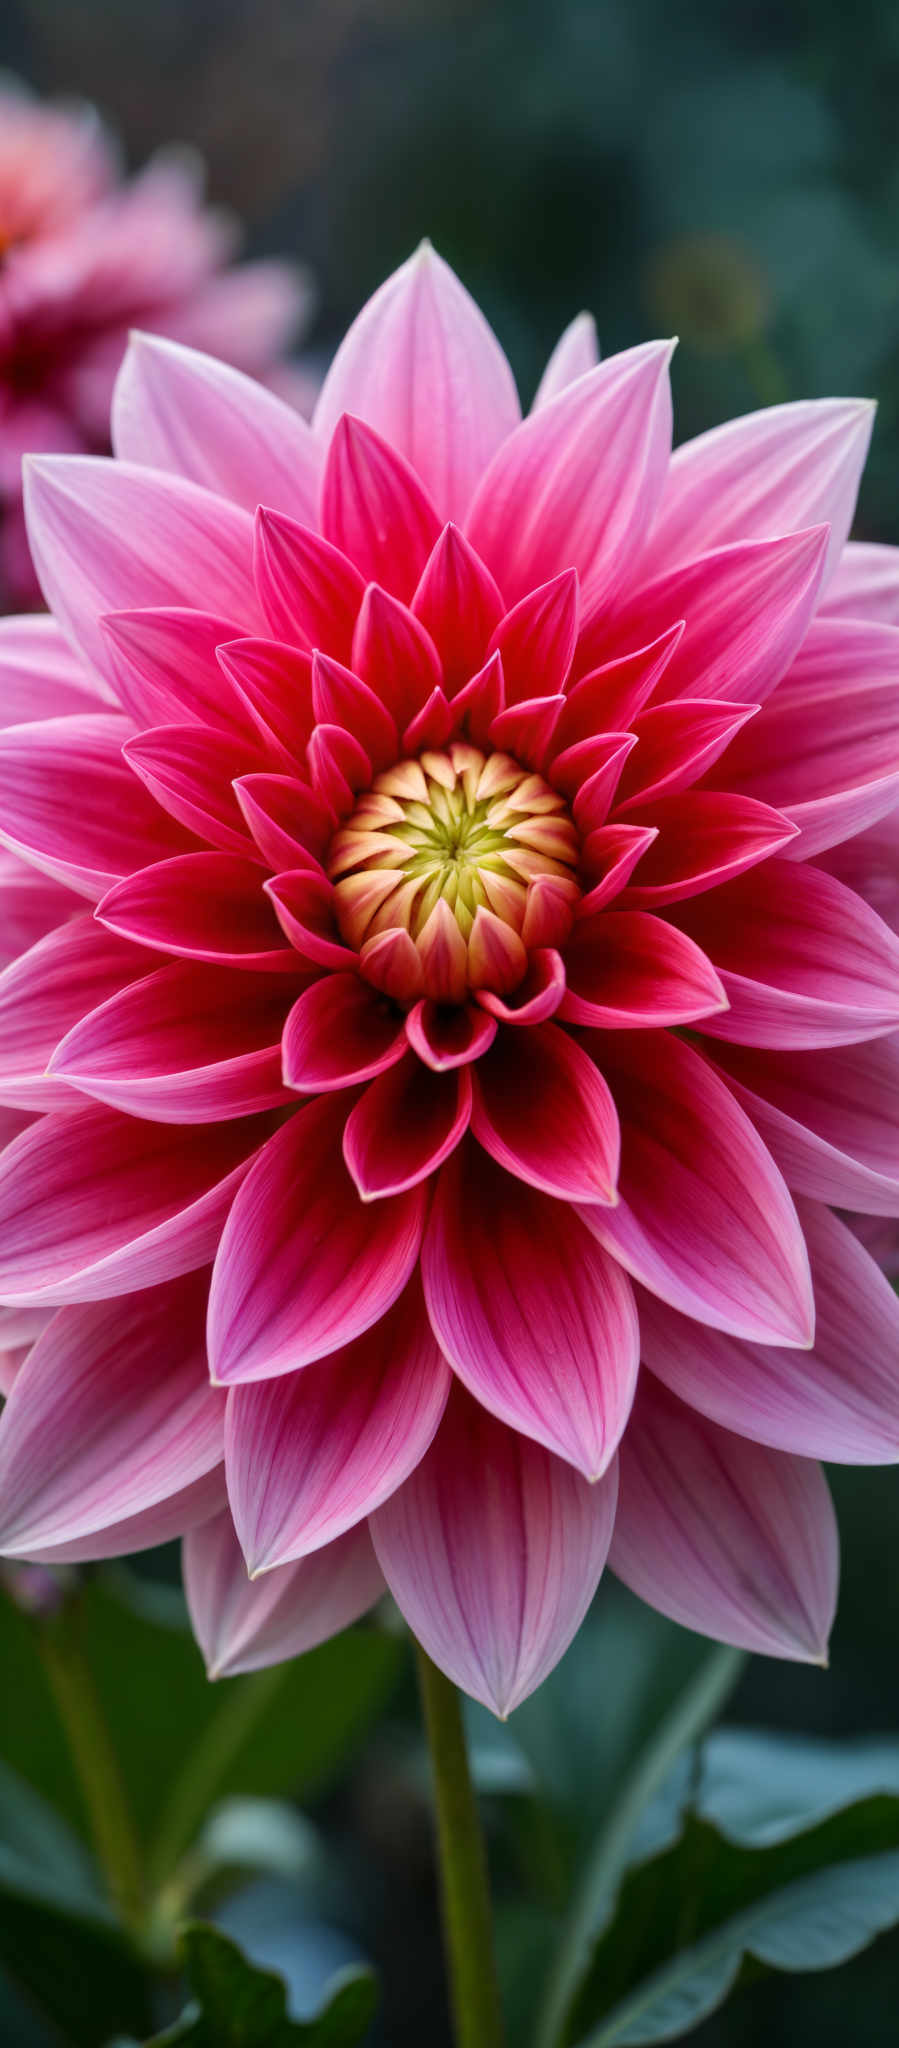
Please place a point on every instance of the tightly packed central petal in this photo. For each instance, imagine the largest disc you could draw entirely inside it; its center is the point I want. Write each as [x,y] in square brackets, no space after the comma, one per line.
[447,848]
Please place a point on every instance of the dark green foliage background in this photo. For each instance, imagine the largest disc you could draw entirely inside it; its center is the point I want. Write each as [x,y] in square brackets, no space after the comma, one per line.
[730,172]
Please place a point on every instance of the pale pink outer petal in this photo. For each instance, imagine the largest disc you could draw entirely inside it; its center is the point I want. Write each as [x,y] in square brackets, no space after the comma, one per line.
[178,410]
[869,864]
[310,1455]
[704,1218]
[109,536]
[825,749]
[422,366]
[40,675]
[726,1536]
[803,960]
[111,1416]
[45,992]
[830,1117]
[242,1624]
[865,584]
[186,1045]
[577,483]
[575,352]
[839,1401]
[746,608]
[114,827]
[303,1265]
[31,905]
[769,472]
[493,1550]
[94,1204]
[539,1328]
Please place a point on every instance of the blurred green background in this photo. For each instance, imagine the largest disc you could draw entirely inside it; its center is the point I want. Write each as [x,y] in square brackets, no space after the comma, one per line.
[728,172]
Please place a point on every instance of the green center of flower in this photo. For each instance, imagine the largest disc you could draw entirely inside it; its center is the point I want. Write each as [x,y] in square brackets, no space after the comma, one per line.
[469,854]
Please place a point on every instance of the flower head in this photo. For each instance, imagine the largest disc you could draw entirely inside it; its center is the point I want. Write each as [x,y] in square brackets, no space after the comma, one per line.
[84,257]
[443,1041]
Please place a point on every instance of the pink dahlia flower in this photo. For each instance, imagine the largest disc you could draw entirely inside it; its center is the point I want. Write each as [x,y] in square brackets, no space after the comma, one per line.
[83,258]
[441,1041]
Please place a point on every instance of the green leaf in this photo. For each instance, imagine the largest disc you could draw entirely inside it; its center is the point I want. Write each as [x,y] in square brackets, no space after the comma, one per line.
[666,1722]
[58,1941]
[593,1717]
[182,1743]
[785,1855]
[237,2005]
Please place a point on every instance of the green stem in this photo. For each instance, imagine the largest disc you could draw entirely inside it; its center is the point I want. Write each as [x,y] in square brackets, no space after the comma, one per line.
[465,1892]
[95,1761]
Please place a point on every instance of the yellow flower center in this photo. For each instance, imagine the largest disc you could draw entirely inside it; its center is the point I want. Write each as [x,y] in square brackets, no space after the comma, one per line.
[466,833]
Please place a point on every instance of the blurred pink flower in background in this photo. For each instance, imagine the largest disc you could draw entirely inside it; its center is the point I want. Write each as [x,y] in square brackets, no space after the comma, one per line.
[84,257]
[470,1045]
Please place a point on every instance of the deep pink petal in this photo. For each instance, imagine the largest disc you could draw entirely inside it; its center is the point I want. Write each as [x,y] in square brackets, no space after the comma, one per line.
[549,1344]
[309,591]
[339,698]
[45,992]
[447,1038]
[394,655]
[830,1118]
[111,1415]
[677,743]
[407,1122]
[770,472]
[374,509]
[309,1455]
[607,698]
[577,483]
[704,1218]
[289,822]
[304,903]
[340,1031]
[493,1550]
[167,671]
[303,1265]
[94,1204]
[190,773]
[422,366]
[206,906]
[459,605]
[839,1401]
[575,352]
[481,700]
[109,536]
[803,960]
[178,410]
[338,767]
[703,839]
[273,684]
[725,1536]
[608,858]
[243,1624]
[112,828]
[536,998]
[537,639]
[746,608]
[187,1045]
[544,1112]
[628,967]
